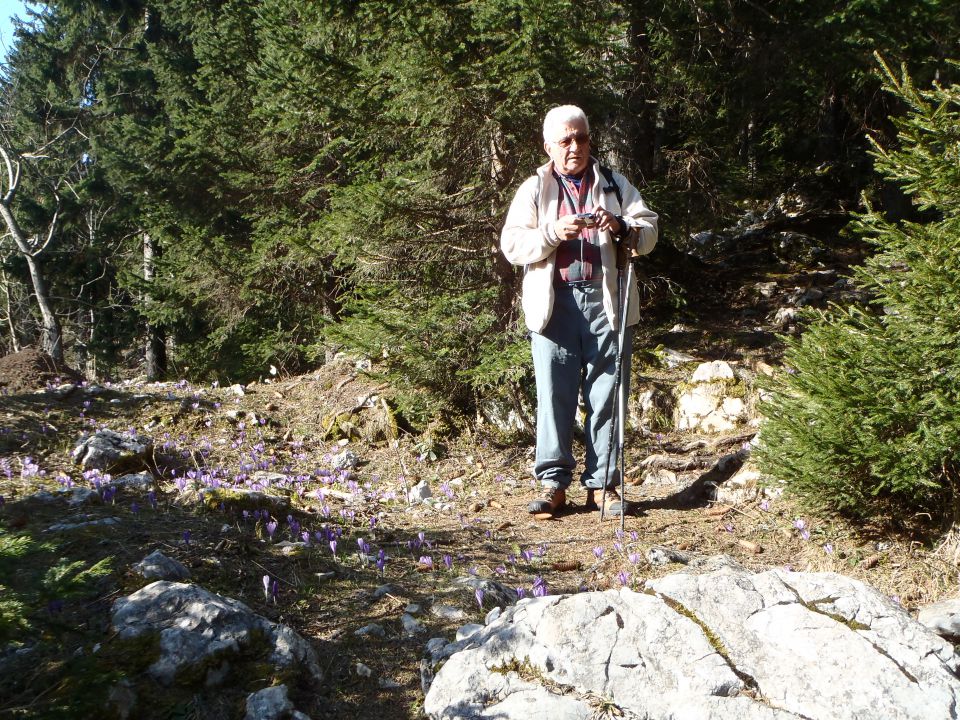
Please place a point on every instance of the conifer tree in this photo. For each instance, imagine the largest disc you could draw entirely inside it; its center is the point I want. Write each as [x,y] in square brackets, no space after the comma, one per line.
[867,417]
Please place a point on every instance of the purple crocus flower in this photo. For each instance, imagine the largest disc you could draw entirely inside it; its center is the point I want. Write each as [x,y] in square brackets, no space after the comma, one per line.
[271,528]
[186,537]
[598,552]
[333,547]
[539,587]
[448,561]
[521,593]
[381,561]
[266,588]
[623,577]
[426,561]
[479,596]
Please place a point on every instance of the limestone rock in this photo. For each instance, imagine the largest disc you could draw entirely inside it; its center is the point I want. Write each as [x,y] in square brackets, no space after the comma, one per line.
[627,647]
[821,645]
[108,450]
[199,628]
[708,405]
[719,643]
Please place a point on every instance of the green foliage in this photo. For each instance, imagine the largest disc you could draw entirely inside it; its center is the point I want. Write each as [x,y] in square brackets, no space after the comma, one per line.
[866,421]
[323,176]
[34,574]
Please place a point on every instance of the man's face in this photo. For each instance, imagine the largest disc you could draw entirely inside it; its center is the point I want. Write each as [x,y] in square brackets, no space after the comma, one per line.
[568,145]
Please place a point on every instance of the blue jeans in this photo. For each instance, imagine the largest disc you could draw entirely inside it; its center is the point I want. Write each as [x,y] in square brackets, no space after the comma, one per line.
[577,348]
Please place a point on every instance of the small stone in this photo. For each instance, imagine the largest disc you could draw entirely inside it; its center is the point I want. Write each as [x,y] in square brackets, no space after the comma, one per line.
[271,703]
[363,670]
[413,609]
[371,630]
[673,358]
[346,460]
[143,480]
[476,507]
[665,556]
[942,617]
[411,626]
[448,613]
[157,566]
[420,492]
[381,591]
[785,316]
[63,527]
[388,684]
[80,496]
[713,371]
[468,630]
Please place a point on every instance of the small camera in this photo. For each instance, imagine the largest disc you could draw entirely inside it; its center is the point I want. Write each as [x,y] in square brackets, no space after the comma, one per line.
[590,217]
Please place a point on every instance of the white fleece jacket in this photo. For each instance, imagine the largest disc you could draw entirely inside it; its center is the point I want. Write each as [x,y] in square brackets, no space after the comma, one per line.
[528,239]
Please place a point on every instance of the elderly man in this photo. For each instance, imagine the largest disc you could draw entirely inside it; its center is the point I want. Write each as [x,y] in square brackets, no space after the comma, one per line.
[566,226]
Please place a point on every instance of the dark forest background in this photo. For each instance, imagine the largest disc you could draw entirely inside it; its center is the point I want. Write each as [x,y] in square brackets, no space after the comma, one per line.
[209,189]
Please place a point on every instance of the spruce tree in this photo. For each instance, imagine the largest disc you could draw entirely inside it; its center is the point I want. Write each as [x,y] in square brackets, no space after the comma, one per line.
[866,420]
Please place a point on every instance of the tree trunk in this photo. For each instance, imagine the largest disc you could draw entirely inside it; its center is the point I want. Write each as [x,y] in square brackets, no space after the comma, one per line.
[155,352]
[14,341]
[52,340]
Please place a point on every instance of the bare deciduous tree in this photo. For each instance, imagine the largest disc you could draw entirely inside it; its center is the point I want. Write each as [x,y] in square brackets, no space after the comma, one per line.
[30,248]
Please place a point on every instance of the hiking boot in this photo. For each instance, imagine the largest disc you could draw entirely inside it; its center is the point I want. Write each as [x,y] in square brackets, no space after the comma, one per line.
[550,501]
[613,504]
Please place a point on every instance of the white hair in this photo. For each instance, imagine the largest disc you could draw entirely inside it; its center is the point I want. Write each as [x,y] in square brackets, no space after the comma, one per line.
[563,115]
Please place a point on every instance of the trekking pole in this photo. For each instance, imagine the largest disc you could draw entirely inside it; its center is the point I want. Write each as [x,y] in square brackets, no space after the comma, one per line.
[623,390]
[614,397]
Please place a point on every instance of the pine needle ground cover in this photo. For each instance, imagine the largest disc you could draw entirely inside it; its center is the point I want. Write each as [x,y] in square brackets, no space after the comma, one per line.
[63,660]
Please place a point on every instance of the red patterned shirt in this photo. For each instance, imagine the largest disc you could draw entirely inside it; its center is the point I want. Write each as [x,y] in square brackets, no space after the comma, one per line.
[577,258]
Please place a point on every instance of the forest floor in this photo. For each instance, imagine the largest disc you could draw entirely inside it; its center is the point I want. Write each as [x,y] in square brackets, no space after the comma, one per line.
[57,605]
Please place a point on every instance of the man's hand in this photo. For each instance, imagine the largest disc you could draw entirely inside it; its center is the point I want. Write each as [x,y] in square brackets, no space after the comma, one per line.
[568,227]
[606,220]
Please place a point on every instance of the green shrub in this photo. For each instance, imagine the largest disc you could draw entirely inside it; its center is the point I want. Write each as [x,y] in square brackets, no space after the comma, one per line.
[866,419]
